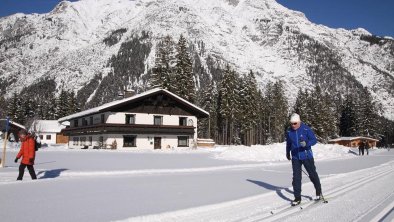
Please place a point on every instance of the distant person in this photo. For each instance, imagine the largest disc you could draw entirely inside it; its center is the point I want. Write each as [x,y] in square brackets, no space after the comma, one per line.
[299,141]
[366,146]
[361,148]
[28,154]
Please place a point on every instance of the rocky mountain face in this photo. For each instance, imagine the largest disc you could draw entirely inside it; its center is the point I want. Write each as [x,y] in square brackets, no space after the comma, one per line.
[98,47]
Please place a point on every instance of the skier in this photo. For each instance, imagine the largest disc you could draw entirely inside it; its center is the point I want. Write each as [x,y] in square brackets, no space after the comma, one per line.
[299,139]
[28,153]
[361,147]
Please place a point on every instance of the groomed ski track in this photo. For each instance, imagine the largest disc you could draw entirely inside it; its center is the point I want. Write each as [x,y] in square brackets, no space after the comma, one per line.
[271,207]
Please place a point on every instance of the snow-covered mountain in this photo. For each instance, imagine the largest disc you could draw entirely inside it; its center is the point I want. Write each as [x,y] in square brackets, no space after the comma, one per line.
[85,46]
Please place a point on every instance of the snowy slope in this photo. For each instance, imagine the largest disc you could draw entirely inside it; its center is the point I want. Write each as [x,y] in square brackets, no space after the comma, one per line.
[67,44]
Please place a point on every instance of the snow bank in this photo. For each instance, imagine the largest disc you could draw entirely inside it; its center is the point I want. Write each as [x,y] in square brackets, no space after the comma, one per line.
[277,152]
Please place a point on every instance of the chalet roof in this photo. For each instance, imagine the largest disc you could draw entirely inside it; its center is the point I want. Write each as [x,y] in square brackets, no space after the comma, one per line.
[351,138]
[145,94]
[47,126]
[12,123]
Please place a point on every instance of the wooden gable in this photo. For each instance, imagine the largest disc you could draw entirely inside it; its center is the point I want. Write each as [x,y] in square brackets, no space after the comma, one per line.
[158,103]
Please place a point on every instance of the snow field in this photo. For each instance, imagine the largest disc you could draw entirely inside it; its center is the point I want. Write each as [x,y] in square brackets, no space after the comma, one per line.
[221,184]
[272,207]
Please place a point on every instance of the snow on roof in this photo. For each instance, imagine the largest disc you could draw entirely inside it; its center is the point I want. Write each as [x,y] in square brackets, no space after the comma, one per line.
[14,123]
[351,138]
[117,102]
[47,126]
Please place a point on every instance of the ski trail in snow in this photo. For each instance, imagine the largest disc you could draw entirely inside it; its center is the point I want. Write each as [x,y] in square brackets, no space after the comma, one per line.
[269,206]
[9,177]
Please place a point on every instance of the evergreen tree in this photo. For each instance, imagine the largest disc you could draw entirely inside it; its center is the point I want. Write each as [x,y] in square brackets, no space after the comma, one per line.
[62,108]
[73,105]
[163,71]
[347,123]
[184,84]
[323,120]
[301,106]
[207,100]
[3,107]
[276,119]
[226,105]
[249,108]
[318,111]
[367,115]
[13,107]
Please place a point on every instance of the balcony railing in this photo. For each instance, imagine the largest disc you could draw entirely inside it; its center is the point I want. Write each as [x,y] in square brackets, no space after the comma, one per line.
[128,129]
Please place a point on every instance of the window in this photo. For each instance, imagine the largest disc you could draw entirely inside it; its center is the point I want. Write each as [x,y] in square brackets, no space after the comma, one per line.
[90,142]
[102,118]
[183,141]
[75,141]
[158,120]
[91,120]
[84,122]
[48,137]
[182,121]
[75,123]
[41,137]
[129,141]
[130,119]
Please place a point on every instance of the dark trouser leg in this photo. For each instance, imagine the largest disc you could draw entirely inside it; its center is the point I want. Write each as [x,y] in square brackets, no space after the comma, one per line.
[21,171]
[32,172]
[311,169]
[367,152]
[362,151]
[296,165]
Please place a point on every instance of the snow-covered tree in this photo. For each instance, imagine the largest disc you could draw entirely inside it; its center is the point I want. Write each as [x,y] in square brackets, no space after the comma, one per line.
[184,84]
[163,72]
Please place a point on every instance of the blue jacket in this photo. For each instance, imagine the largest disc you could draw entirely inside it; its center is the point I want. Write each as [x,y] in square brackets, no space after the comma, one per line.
[293,139]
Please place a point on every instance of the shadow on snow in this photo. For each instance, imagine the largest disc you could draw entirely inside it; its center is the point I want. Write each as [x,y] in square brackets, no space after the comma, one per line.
[50,173]
[278,190]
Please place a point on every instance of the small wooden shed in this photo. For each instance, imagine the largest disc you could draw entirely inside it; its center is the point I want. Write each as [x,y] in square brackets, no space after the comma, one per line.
[353,141]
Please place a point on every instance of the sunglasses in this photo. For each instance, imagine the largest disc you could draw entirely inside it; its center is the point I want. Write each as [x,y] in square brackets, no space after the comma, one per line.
[294,124]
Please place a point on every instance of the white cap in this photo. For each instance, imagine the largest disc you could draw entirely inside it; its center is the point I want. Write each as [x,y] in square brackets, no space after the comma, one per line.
[295,118]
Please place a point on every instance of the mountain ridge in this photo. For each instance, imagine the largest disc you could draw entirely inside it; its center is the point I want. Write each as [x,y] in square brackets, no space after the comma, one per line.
[68,45]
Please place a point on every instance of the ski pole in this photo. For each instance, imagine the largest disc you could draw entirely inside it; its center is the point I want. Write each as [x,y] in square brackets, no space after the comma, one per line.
[305,172]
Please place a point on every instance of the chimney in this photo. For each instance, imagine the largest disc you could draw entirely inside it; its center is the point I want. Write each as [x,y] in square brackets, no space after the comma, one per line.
[128,93]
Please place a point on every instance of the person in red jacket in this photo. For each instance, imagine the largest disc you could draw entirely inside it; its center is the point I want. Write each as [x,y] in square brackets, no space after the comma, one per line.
[28,154]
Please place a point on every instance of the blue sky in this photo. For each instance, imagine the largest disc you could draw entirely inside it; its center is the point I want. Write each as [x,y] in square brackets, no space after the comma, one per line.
[377,16]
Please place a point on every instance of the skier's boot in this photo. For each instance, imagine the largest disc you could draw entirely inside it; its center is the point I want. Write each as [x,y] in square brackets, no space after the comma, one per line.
[321,198]
[296,202]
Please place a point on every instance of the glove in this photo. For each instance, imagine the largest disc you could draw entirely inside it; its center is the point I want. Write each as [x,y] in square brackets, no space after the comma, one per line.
[303,143]
[288,156]
[16,160]
[31,160]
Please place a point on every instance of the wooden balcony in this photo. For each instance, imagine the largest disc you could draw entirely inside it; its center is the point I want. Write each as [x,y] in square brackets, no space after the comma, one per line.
[129,129]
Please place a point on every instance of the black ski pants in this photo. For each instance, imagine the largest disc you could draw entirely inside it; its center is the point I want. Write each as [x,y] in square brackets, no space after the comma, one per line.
[309,165]
[22,171]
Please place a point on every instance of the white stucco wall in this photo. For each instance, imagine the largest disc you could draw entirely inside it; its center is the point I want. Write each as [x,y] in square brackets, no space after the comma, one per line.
[144,141]
[45,140]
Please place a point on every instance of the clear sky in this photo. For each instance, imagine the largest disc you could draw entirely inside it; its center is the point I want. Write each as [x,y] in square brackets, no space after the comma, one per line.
[376,16]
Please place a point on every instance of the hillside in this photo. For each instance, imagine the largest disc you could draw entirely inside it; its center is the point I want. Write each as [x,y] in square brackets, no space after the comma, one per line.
[97,47]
